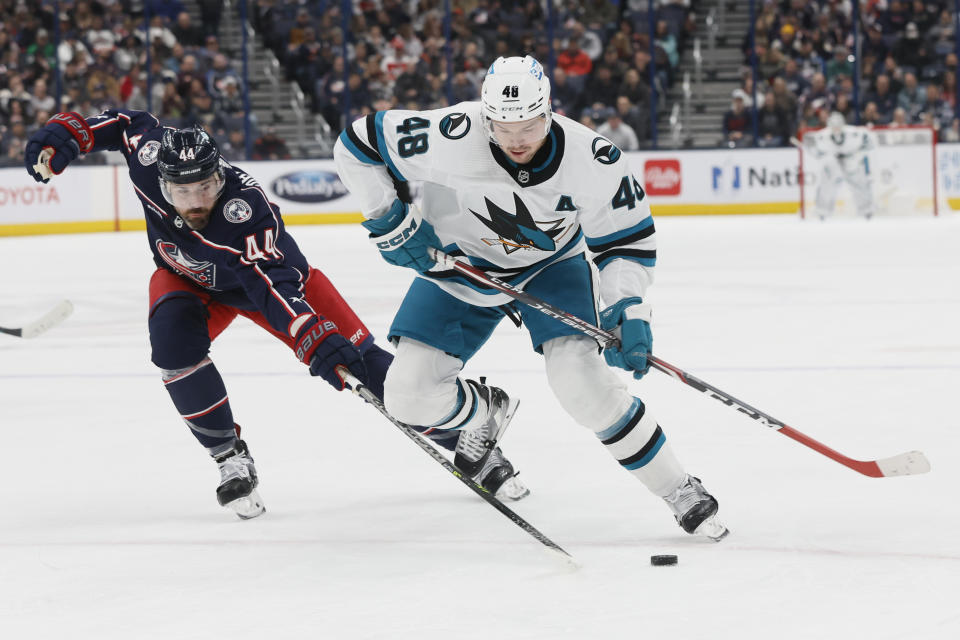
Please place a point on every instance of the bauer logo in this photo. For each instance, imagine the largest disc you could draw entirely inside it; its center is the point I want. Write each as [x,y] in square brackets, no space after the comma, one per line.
[309,186]
[662,177]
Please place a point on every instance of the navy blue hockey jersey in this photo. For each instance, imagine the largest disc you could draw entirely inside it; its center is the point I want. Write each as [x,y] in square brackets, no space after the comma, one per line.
[243,257]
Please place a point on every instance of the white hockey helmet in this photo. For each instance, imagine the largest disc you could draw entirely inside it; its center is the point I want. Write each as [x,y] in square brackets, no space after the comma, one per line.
[836,121]
[515,89]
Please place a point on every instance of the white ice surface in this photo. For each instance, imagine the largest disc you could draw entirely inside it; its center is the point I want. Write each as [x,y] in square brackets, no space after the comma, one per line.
[847,331]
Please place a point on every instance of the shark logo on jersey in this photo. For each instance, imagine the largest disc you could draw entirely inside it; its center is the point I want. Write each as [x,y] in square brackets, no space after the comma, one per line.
[237,210]
[148,153]
[455,125]
[203,273]
[604,151]
[518,231]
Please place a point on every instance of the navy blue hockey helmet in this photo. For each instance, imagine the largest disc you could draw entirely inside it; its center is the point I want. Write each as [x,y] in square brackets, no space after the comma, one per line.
[187,155]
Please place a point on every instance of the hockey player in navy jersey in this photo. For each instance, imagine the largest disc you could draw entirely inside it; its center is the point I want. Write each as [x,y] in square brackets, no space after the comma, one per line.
[221,250]
[524,195]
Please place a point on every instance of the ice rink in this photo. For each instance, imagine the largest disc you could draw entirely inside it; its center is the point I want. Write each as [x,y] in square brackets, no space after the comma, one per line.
[847,331]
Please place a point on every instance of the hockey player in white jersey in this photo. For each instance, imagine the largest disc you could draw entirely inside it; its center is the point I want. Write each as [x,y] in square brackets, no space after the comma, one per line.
[524,195]
[843,152]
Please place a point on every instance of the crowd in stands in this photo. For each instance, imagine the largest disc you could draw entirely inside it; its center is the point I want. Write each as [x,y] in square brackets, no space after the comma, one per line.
[103,63]
[805,69]
[396,57]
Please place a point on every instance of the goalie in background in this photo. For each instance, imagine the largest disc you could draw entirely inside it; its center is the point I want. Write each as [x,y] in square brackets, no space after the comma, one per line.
[843,152]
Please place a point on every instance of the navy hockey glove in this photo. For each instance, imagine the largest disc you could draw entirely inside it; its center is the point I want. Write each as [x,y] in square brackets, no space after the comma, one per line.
[403,237]
[320,345]
[66,135]
[630,318]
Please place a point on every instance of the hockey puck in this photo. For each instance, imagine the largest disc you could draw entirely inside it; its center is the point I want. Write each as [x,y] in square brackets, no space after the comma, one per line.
[663,561]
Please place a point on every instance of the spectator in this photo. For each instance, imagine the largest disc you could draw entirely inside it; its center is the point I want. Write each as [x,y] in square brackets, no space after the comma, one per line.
[871,117]
[884,100]
[158,33]
[185,32]
[938,113]
[874,44]
[466,91]
[948,92]
[618,132]
[634,88]
[72,49]
[564,98]
[41,100]
[796,84]
[910,96]
[787,102]
[218,74]
[634,116]
[771,123]
[910,52]
[900,118]
[735,123]
[601,87]
[575,63]
[234,148]
[42,51]
[270,147]
[588,41]
[839,65]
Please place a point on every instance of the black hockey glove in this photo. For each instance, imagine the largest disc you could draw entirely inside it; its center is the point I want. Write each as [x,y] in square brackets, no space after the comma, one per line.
[320,345]
[66,136]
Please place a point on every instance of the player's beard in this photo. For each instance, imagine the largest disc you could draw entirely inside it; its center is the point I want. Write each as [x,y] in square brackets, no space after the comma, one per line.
[196,218]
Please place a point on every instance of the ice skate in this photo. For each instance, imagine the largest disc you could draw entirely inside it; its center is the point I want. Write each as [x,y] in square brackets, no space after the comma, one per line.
[477,453]
[696,510]
[238,482]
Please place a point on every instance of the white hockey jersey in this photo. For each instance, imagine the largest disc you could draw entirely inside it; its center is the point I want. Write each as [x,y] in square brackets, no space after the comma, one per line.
[577,193]
[851,142]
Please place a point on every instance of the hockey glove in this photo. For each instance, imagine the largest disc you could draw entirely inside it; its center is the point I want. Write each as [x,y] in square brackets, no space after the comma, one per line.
[66,135]
[403,237]
[629,318]
[320,345]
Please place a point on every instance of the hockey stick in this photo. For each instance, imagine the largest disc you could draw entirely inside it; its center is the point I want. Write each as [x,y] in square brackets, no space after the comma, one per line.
[361,390]
[52,318]
[910,463]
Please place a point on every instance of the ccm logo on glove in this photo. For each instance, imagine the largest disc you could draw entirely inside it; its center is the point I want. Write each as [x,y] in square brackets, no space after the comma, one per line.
[401,235]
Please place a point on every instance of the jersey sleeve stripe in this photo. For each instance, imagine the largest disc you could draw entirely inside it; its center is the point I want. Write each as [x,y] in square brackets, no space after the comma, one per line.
[382,146]
[625,236]
[646,257]
[358,148]
[273,291]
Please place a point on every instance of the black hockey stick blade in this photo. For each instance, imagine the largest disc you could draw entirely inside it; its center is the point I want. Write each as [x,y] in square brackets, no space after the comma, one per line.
[904,464]
[361,390]
[51,319]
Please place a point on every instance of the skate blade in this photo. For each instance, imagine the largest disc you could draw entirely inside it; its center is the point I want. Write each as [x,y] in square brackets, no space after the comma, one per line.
[247,507]
[513,490]
[712,528]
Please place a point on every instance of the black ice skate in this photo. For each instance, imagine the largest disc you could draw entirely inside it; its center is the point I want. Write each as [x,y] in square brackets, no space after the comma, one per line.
[696,510]
[238,482]
[477,452]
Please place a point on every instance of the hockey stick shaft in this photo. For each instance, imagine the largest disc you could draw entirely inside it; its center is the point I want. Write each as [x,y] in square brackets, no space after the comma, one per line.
[361,390]
[49,320]
[910,463]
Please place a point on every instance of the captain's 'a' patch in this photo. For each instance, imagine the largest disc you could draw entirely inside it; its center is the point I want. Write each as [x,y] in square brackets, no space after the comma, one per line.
[565,204]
